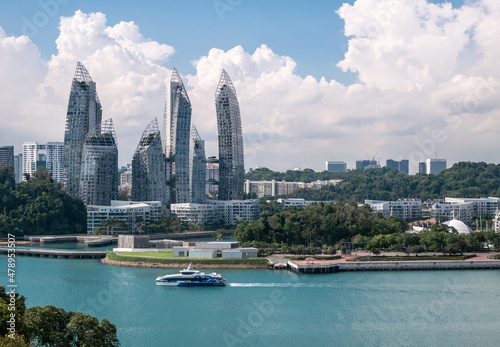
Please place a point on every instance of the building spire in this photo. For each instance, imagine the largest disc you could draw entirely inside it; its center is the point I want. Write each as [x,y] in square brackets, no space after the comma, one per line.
[225,83]
[81,73]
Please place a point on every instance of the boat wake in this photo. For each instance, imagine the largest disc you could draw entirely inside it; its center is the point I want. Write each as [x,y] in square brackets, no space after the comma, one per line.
[285,285]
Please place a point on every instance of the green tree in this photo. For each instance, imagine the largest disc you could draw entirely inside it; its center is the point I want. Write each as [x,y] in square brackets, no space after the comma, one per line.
[416,249]
[52,326]
[219,234]
[48,326]
[89,332]
[40,206]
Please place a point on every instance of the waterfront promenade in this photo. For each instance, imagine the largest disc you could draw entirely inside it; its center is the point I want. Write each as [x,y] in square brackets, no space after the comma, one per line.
[480,261]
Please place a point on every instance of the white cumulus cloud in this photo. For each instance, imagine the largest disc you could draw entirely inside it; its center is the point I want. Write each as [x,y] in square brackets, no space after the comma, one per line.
[428,82]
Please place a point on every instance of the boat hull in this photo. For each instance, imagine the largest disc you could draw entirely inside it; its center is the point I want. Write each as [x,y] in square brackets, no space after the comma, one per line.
[190,284]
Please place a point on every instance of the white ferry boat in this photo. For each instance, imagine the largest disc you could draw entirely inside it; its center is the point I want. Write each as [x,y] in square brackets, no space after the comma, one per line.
[191,278]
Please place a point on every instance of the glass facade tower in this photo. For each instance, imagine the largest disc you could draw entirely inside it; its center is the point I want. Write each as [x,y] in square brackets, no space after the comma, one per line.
[231,159]
[7,156]
[176,138]
[99,171]
[84,113]
[197,167]
[148,167]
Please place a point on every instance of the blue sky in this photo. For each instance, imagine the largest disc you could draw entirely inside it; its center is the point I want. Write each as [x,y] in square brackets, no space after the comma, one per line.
[421,68]
[308,31]
[311,33]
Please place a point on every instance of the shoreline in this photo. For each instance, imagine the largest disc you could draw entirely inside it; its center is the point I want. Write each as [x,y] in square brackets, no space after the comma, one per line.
[108,261]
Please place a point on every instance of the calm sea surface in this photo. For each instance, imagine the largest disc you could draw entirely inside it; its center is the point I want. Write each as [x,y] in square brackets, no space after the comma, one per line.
[273,308]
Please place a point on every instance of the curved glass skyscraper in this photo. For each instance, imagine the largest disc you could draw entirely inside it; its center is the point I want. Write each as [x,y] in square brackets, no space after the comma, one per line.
[84,113]
[148,167]
[99,172]
[197,167]
[231,160]
[176,137]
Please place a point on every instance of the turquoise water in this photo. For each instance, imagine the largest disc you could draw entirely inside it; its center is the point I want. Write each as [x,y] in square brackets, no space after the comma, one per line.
[273,308]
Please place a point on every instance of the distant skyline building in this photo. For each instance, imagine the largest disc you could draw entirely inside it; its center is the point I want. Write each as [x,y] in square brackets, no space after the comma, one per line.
[212,186]
[84,113]
[422,167]
[435,166]
[197,167]
[7,156]
[148,167]
[336,166]
[99,171]
[18,167]
[231,156]
[367,164]
[402,165]
[176,138]
[54,154]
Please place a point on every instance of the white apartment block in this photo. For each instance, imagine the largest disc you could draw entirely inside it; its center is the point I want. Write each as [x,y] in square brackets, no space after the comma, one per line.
[230,212]
[460,211]
[127,212]
[406,209]
[196,213]
[482,207]
[272,188]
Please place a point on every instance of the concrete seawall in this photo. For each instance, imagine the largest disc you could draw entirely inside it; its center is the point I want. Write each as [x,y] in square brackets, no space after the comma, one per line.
[55,253]
[392,266]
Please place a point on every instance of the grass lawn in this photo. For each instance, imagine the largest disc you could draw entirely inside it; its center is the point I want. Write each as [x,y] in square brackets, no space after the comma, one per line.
[167,258]
[150,254]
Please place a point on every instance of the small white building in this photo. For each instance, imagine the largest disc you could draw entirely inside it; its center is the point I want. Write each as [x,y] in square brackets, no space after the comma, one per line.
[203,253]
[180,251]
[240,253]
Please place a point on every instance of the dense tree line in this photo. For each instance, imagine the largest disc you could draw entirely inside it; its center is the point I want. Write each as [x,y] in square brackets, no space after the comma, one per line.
[437,238]
[317,225]
[50,326]
[38,206]
[464,179]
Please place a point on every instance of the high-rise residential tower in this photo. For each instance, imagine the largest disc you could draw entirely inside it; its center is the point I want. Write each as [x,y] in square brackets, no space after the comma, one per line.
[84,113]
[148,167]
[99,172]
[176,138]
[231,160]
[49,155]
[197,167]
[30,159]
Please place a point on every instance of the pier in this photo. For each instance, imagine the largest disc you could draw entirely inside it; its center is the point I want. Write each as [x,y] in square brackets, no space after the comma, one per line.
[56,253]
